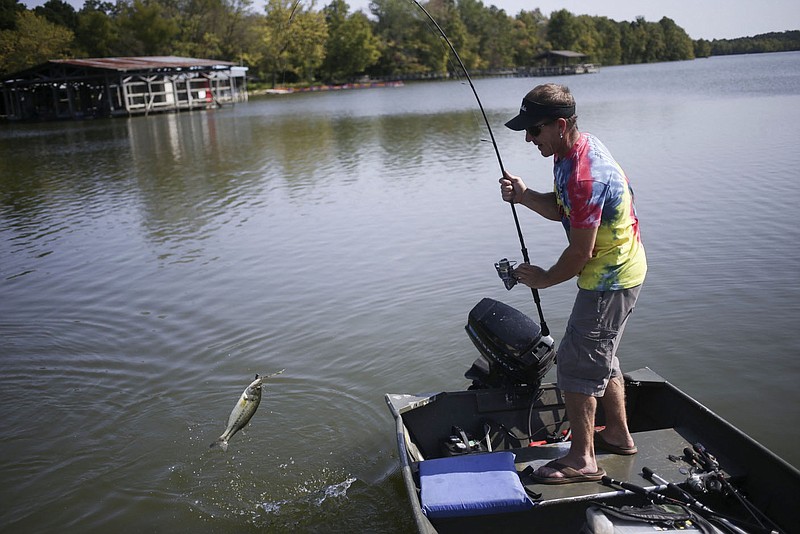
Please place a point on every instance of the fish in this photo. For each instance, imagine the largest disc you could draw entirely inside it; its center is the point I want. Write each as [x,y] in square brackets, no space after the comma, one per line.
[243,411]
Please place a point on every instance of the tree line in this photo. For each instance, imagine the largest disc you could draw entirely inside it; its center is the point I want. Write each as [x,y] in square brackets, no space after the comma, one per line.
[286,41]
[765,42]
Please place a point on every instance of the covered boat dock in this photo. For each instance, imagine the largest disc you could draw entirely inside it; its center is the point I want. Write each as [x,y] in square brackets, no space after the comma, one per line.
[559,63]
[121,86]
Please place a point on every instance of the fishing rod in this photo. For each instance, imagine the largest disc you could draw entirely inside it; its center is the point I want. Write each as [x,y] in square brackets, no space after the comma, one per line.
[654,496]
[712,467]
[525,258]
[693,503]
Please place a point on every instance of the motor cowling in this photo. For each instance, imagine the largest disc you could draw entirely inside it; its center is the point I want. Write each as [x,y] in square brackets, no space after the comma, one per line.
[513,350]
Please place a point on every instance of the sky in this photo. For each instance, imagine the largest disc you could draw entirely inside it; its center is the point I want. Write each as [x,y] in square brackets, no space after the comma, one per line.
[702,19]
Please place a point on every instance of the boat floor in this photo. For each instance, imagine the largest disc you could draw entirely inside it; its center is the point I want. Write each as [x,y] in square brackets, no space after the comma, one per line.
[655,449]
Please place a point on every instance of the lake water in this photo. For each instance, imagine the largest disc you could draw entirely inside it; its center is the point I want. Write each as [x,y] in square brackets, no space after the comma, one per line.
[150,267]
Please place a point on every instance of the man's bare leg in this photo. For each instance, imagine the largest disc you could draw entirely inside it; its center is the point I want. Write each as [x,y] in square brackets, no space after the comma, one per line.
[613,402]
[581,411]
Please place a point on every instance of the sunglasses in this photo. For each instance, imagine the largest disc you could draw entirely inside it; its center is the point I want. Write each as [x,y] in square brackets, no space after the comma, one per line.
[533,131]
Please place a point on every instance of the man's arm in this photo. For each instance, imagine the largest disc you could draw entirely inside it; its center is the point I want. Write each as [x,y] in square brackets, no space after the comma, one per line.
[514,190]
[572,260]
[542,203]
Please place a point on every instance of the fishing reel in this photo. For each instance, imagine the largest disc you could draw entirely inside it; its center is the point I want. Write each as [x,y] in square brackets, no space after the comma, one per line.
[710,479]
[705,483]
[505,270]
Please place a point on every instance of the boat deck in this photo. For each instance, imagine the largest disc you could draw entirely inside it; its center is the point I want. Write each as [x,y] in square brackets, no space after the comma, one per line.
[655,448]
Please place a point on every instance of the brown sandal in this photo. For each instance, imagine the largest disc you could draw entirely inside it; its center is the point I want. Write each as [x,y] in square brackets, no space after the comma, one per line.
[569,474]
[603,445]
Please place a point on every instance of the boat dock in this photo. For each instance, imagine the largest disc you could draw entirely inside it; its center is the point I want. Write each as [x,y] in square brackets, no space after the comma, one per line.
[121,86]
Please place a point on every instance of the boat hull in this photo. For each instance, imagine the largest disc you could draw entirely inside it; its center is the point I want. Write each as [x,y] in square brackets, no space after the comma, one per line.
[663,420]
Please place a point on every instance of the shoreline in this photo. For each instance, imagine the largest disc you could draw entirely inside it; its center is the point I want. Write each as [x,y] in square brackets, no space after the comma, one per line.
[319,88]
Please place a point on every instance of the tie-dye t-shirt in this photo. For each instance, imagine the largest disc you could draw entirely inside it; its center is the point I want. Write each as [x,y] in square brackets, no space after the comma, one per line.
[592,191]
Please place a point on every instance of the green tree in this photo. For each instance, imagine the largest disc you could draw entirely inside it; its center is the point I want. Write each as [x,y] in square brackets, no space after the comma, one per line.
[306,50]
[588,41]
[299,43]
[529,31]
[473,48]
[8,13]
[247,46]
[146,29]
[633,40]
[434,53]
[34,41]
[238,30]
[274,32]
[677,44]
[702,48]
[656,46]
[213,28]
[352,47]
[200,28]
[562,30]
[765,42]
[59,13]
[397,26]
[97,31]
[497,44]
[610,45]
[292,41]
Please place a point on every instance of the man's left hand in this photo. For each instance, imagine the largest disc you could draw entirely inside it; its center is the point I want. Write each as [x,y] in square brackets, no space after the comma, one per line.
[531,276]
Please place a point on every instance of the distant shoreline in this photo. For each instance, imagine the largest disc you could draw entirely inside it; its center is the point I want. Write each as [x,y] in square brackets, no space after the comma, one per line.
[319,88]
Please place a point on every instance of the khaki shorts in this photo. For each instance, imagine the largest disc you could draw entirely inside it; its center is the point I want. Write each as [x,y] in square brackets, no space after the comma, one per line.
[587,356]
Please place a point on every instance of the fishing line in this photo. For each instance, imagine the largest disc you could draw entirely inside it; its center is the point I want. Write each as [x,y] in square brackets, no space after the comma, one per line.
[526,259]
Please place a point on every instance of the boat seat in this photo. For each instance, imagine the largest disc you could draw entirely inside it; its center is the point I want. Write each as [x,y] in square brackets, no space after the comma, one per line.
[471,484]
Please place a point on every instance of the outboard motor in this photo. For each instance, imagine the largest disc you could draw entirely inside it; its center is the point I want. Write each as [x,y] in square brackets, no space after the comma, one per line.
[513,350]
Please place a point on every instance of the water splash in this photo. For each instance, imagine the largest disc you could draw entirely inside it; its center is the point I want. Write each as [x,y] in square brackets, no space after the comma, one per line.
[336,490]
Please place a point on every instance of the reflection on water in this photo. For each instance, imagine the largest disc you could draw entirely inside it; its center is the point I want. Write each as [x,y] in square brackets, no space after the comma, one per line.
[150,266]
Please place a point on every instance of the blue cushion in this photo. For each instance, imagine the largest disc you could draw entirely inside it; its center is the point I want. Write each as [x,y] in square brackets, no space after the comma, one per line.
[472,484]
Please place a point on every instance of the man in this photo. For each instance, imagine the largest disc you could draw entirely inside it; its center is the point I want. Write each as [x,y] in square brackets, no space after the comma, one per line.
[593,200]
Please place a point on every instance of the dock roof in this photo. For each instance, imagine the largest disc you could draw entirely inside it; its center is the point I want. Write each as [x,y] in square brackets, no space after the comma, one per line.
[560,53]
[126,64]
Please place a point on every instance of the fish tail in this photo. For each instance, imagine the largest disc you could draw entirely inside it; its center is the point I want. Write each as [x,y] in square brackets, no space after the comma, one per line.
[221,443]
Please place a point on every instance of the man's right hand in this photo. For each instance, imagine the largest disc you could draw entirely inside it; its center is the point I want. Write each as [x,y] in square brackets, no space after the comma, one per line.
[512,187]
